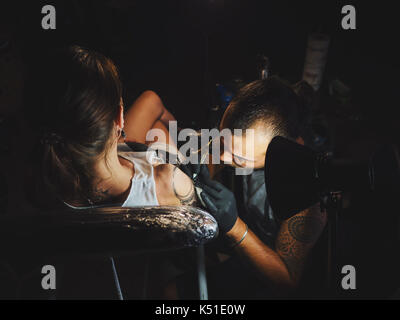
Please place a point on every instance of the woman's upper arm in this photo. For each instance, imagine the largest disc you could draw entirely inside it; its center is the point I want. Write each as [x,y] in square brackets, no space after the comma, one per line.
[142,115]
[174,187]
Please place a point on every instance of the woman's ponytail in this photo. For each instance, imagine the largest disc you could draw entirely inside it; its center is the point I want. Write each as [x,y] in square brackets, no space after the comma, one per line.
[73,103]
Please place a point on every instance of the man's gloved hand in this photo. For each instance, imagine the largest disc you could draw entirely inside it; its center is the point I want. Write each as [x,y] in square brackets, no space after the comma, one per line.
[221,203]
[196,172]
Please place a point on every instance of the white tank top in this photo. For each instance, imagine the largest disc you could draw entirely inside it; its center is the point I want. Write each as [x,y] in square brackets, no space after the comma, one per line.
[143,186]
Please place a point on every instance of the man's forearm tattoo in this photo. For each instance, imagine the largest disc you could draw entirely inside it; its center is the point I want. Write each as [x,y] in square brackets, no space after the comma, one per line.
[189,199]
[291,252]
[305,228]
[297,236]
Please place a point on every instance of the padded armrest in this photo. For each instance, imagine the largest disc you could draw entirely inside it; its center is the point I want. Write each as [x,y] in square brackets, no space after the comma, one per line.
[108,231]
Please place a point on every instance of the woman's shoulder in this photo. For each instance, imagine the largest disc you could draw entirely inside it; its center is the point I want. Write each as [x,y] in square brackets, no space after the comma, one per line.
[172,184]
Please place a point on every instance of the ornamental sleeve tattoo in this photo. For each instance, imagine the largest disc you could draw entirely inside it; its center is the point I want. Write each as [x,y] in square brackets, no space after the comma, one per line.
[297,236]
[183,188]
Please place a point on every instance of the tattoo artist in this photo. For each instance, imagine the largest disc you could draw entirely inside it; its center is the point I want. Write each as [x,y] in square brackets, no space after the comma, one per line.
[269,107]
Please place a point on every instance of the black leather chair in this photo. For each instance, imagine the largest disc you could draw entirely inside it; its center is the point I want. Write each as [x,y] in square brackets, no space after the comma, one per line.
[107,232]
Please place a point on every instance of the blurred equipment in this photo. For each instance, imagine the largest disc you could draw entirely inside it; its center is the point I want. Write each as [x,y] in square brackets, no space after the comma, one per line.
[339,91]
[315,61]
[222,96]
[297,177]
[225,92]
[263,66]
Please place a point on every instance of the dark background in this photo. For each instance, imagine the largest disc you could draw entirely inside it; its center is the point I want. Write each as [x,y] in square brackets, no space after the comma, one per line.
[181,49]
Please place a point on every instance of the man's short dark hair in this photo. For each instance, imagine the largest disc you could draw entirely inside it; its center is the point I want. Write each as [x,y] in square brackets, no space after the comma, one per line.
[272,101]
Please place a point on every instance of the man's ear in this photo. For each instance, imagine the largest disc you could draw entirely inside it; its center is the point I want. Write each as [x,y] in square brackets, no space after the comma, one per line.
[300,140]
[223,123]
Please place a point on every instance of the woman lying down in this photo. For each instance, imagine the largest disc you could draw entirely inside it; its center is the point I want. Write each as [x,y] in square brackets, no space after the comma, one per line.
[80,159]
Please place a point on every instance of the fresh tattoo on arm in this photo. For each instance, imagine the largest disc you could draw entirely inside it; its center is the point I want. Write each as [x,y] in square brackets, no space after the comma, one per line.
[296,238]
[189,197]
